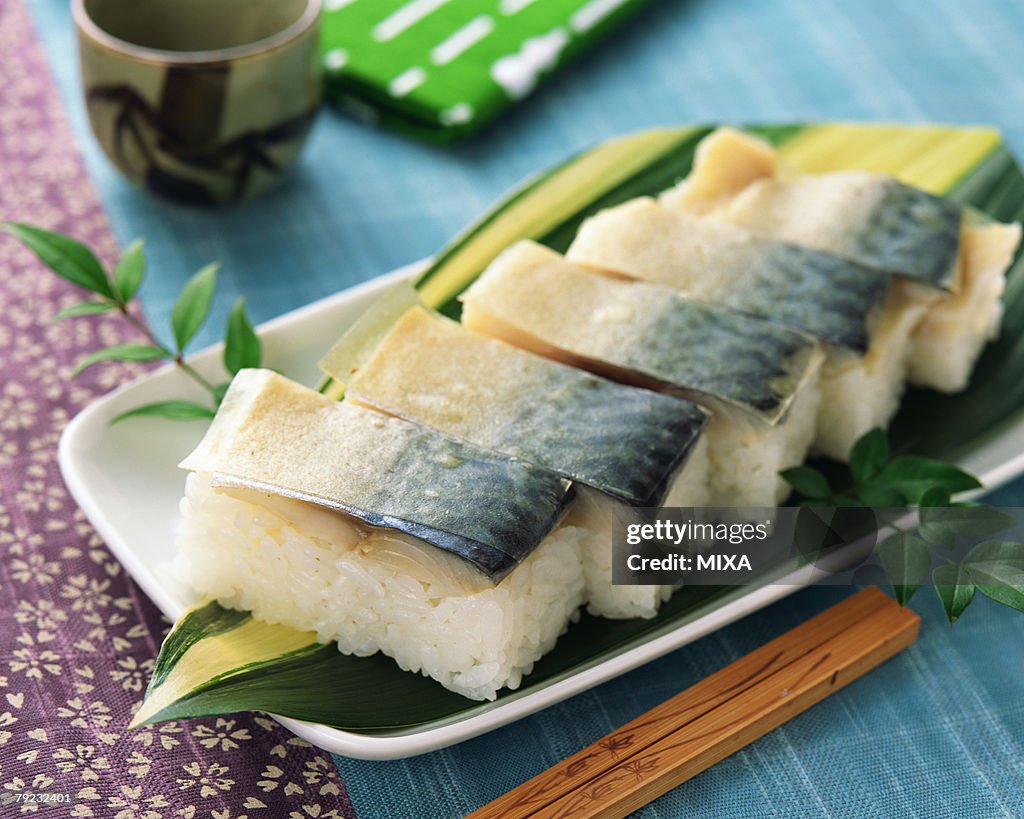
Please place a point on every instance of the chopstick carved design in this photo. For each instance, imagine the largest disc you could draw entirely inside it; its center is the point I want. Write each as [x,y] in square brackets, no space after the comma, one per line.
[719,715]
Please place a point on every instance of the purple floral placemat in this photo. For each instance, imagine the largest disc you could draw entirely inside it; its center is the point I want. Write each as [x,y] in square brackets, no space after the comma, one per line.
[77,637]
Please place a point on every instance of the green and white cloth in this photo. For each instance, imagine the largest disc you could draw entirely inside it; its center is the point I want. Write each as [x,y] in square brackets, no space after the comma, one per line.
[439,69]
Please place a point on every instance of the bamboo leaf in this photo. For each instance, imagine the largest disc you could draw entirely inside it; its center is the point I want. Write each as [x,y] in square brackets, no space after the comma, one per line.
[131,267]
[868,455]
[173,410]
[954,588]
[908,563]
[193,305]
[241,344]
[217,661]
[85,308]
[121,352]
[67,257]
[550,206]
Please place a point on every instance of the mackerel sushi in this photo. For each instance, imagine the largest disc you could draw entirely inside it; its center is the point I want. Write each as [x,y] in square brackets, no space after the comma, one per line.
[878,221]
[620,445]
[863,317]
[379,534]
[758,380]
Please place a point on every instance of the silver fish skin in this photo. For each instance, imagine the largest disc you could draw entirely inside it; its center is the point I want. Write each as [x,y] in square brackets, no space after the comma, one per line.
[624,441]
[274,435]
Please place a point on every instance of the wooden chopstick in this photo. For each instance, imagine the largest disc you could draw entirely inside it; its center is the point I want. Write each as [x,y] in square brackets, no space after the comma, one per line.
[719,715]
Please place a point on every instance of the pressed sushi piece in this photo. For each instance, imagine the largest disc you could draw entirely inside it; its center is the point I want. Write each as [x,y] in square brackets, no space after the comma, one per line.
[949,338]
[867,217]
[622,445]
[379,534]
[865,315]
[819,293]
[725,163]
[758,379]
[878,221]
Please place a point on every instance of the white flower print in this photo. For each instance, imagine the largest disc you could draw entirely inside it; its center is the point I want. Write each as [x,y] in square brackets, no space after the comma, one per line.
[43,614]
[86,593]
[17,409]
[131,675]
[84,759]
[211,779]
[134,805]
[162,735]
[33,661]
[223,734]
[34,568]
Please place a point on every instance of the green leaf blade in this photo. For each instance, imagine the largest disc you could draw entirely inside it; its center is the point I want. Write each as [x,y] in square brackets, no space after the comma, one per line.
[131,268]
[120,352]
[954,588]
[942,526]
[193,305]
[67,257]
[85,308]
[880,496]
[172,410]
[242,346]
[868,455]
[808,481]
[997,568]
[913,476]
[907,562]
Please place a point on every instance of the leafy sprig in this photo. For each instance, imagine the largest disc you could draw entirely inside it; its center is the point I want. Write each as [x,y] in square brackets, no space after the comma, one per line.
[114,291]
[876,478]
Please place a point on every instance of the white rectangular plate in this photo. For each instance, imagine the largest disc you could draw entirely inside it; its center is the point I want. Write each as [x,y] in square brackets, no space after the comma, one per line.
[126,480]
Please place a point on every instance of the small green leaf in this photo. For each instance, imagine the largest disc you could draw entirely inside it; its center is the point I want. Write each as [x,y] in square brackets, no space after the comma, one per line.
[997,568]
[129,271]
[85,308]
[122,352]
[241,344]
[175,410]
[913,476]
[808,481]
[942,526]
[868,455]
[908,563]
[193,305]
[68,258]
[937,496]
[954,588]
[880,495]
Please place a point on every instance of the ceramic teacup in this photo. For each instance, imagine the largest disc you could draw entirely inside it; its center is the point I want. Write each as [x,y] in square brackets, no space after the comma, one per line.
[200,101]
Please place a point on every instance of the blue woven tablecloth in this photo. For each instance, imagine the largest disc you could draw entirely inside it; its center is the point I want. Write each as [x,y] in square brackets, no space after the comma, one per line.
[939,731]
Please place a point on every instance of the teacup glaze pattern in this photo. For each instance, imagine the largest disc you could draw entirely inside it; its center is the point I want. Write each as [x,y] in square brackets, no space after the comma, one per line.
[200,101]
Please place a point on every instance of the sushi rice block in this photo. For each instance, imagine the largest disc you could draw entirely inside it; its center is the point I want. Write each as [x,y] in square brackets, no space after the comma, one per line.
[865,317]
[758,379]
[877,221]
[622,446]
[380,535]
[947,342]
